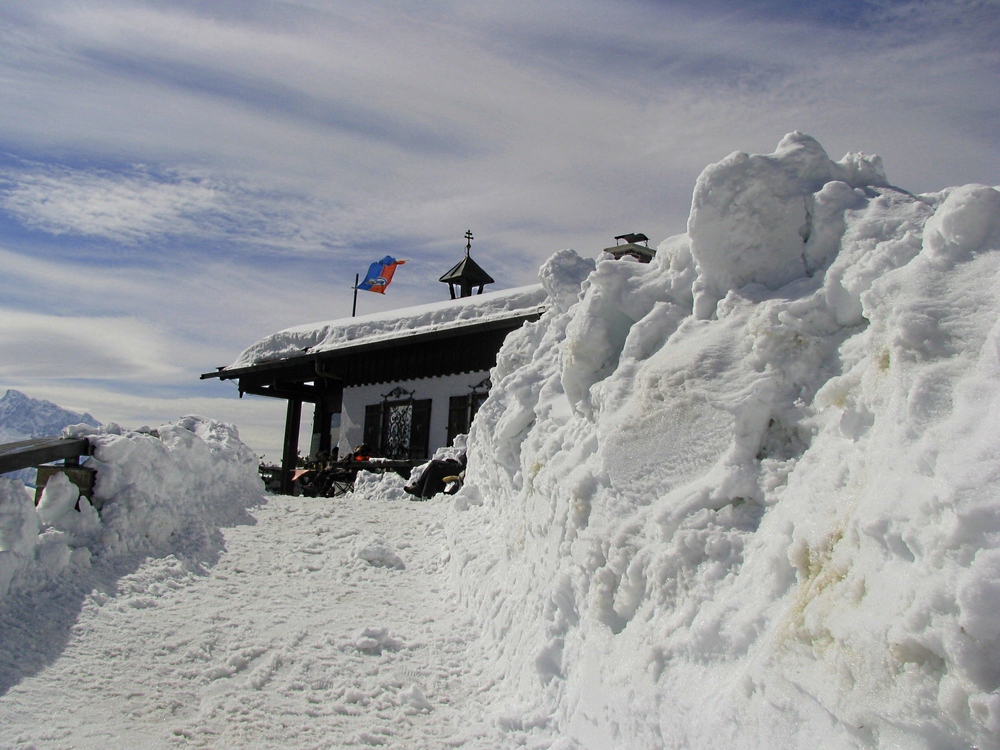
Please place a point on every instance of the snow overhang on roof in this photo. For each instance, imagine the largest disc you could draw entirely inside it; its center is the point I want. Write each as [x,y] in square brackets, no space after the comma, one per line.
[423,321]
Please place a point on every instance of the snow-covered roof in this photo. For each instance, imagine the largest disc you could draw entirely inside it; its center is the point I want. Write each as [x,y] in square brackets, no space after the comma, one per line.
[492,307]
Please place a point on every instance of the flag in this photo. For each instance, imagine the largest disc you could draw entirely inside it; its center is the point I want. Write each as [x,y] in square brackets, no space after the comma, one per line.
[380,274]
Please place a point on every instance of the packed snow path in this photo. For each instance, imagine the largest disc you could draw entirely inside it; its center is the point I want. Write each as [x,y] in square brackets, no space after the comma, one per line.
[325,624]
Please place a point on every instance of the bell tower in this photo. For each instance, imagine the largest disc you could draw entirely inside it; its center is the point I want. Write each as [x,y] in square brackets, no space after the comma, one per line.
[466,274]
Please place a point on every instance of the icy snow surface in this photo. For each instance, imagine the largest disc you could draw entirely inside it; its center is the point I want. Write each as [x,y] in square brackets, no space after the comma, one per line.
[193,612]
[313,624]
[745,496]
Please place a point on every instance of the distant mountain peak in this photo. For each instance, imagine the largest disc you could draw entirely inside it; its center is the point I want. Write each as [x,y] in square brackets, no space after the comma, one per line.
[23,417]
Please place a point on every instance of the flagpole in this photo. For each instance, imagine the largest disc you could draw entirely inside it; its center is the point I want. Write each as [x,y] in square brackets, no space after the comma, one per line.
[354,309]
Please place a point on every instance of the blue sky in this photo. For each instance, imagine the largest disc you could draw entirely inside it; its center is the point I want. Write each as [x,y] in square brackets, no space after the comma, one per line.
[179,179]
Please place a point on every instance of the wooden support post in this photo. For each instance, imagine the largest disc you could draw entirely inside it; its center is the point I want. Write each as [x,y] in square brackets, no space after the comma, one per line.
[334,405]
[291,448]
[320,418]
[330,403]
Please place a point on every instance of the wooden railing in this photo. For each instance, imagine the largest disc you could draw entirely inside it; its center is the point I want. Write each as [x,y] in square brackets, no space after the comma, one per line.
[26,454]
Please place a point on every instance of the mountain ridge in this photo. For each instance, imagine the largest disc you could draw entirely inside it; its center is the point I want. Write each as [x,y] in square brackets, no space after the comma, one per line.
[23,417]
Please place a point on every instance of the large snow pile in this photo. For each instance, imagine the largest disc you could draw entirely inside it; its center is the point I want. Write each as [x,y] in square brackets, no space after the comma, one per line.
[748,495]
[163,491]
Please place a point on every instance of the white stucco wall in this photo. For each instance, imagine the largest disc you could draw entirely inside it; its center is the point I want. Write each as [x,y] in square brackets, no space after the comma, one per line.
[439,390]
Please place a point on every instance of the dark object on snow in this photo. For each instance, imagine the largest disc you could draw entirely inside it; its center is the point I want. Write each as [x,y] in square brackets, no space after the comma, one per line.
[434,478]
[338,477]
[361,453]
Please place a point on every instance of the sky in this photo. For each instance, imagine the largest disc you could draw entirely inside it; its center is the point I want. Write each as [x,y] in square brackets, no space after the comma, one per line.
[181,178]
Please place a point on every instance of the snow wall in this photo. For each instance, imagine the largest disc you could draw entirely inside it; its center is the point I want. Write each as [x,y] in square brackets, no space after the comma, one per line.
[163,491]
[748,495]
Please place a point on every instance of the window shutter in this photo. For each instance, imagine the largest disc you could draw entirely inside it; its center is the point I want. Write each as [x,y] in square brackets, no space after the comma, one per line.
[478,399]
[373,427]
[420,428]
[458,417]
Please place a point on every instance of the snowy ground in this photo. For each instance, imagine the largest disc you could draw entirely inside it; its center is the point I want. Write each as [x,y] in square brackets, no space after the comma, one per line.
[292,638]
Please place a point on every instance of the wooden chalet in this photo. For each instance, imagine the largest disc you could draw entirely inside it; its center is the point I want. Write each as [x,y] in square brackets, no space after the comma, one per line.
[405,382]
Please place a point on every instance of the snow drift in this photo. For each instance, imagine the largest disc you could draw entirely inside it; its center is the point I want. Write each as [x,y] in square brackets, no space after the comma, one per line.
[163,491]
[747,495]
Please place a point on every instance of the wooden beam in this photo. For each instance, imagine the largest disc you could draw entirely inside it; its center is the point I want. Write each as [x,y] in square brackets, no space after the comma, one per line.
[293,418]
[298,391]
[326,407]
[25,454]
[320,429]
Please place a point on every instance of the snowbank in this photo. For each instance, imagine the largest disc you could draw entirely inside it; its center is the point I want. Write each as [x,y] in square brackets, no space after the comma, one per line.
[160,491]
[747,495]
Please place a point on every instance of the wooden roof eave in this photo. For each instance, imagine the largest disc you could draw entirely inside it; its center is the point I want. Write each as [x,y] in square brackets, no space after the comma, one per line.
[308,364]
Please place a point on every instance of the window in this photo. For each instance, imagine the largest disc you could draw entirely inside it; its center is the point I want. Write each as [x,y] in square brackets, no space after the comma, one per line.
[462,410]
[399,426]
[458,417]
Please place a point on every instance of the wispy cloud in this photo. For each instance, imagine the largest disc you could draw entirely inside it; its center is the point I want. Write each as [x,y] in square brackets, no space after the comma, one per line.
[351,116]
[137,205]
[47,346]
[128,206]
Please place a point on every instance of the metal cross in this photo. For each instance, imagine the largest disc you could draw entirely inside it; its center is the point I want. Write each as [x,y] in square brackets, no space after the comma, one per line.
[468,245]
